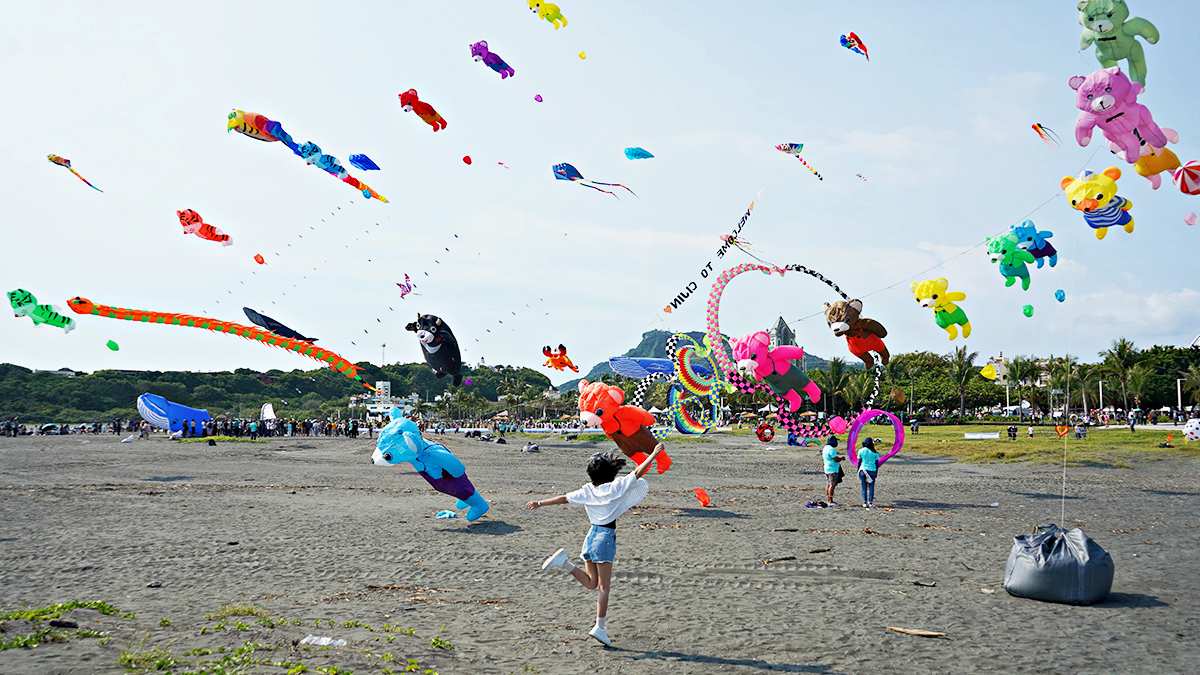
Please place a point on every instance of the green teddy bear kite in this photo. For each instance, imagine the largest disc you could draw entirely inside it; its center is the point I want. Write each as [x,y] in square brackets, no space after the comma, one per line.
[1106,24]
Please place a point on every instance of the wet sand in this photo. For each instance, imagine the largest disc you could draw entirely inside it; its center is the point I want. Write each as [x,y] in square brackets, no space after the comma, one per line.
[308,530]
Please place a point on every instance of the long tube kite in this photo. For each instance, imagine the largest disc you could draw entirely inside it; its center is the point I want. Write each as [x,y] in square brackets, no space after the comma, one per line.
[260,128]
[335,362]
[66,163]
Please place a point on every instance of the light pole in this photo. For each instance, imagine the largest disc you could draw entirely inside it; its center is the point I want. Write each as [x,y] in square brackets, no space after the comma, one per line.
[1179,394]
[1101,396]
[382,354]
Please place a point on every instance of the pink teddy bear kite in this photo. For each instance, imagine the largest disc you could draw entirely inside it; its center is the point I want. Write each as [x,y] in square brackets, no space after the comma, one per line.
[775,367]
[1108,100]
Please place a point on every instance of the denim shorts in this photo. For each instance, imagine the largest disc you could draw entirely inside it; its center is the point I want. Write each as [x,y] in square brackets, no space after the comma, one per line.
[600,545]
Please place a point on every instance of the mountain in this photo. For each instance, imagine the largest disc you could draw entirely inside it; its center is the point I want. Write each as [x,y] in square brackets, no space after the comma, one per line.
[654,345]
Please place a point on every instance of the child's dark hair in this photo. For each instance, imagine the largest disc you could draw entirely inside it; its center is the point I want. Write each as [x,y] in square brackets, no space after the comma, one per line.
[869,443]
[831,441]
[603,467]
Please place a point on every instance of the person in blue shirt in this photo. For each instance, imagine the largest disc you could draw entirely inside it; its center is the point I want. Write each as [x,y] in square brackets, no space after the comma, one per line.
[868,469]
[833,468]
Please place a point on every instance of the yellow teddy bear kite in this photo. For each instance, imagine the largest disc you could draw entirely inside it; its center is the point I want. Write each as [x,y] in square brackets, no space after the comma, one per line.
[932,294]
[1095,195]
[548,11]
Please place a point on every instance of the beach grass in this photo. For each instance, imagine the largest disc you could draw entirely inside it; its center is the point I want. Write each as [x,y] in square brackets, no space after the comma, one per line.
[1102,447]
[223,439]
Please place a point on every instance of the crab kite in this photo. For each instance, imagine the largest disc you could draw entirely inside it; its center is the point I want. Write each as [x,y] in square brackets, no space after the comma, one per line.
[193,223]
[558,360]
[855,44]
[261,128]
[568,172]
[66,163]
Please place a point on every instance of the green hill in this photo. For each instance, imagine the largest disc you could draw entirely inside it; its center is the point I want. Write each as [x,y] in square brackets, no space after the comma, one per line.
[100,396]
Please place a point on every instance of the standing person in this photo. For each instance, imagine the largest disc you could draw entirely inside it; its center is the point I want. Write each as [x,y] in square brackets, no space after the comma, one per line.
[1031,431]
[1132,422]
[868,470]
[605,499]
[833,468]
[253,429]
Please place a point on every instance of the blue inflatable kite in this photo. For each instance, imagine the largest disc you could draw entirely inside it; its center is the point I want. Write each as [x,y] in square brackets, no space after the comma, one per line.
[163,414]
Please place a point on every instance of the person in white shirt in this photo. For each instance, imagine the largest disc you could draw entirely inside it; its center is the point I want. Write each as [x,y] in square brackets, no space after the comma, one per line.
[605,499]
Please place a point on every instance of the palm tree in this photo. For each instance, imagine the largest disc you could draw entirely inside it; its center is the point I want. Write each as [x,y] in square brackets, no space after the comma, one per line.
[832,381]
[857,388]
[962,371]
[1086,377]
[1023,372]
[1139,377]
[1063,373]
[1118,360]
[1191,382]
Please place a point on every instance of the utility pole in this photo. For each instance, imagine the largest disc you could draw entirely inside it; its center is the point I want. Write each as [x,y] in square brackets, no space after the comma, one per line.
[1101,396]
[1179,393]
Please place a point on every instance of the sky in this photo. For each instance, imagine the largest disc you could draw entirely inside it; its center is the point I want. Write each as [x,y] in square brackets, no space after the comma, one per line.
[136,94]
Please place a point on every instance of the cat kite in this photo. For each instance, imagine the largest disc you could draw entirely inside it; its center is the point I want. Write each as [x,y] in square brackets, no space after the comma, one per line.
[66,163]
[558,360]
[274,326]
[193,223]
[261,128]
[25,304]
[855,44]
[568,172]
[335,362]
[794,149]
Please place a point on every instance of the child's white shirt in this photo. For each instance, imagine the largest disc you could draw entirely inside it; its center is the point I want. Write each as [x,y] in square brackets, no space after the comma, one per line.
[605,503]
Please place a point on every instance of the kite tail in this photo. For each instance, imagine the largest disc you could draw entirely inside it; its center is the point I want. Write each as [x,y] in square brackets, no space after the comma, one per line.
[86,181]
[616,185]
[586,185]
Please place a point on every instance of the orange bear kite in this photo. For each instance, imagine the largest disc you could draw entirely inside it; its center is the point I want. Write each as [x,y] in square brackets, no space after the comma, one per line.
[627,425]
[558,360]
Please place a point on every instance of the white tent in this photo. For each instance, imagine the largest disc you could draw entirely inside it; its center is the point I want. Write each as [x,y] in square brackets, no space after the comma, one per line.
[766,408]
[267,412]
[655,410]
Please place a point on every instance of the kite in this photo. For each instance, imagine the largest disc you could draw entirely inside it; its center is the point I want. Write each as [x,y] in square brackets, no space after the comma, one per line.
[25,304]
[1095,194]
[335,362]
[66,163]
[406,287]
[794,149]
[1060,295]
[261,128]
[401,441]
[861,177]
[411,103]
[988,372]
[702,496]
[1107,99]
[1012,259]
[855,44]
[363,162]
[1190,218]
[780,368]
[537,97]
[1046,134]
[637,153]
[258,258]
[439,346]
[1187,178]
[1036,241]
[274,326]
[1027,310]
[568,172]
[630,427]
[558,360]
[113,346]
[1107,25]
[467,160]
[582,56]
[548,11]
[933,294]
[479,52]
[193,223]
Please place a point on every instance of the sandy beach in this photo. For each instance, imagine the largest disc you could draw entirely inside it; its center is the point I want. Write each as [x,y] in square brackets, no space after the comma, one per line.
[307,530]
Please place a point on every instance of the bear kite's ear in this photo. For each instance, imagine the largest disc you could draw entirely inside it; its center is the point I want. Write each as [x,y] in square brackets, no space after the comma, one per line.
[1075,82]
[1112,172]
[856,304]
[582,384]
[483,43]
[1066,180]
[827,306]
[618,394]
[943,281]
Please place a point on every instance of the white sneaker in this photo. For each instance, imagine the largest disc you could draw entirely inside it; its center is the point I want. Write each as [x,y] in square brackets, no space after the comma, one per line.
[601,635]
[558,561]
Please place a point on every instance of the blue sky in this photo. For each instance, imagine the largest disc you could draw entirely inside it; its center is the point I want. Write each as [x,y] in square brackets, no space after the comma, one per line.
[136,95]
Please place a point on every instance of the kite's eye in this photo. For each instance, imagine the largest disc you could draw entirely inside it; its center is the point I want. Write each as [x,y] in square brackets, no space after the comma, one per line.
[935,296]
[1100,196]
[1074,203]
[599,412]
[387,456]
[1108,90]
[1089,97]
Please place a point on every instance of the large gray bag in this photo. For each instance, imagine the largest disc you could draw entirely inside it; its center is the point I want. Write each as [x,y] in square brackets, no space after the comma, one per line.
[1058,565]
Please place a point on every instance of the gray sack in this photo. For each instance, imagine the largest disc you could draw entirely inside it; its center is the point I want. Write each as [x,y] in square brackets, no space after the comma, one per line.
[1057,565]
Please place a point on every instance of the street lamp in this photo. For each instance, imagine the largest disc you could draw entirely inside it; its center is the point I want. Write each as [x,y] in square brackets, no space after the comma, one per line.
[1179,393]
[1101,396]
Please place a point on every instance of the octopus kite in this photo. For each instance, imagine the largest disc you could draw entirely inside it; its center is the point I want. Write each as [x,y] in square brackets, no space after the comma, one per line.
[412,104]
[261,128]
[66,163]
[25,304]
[568,172]
[335,362]
[558,360]
[193,223]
